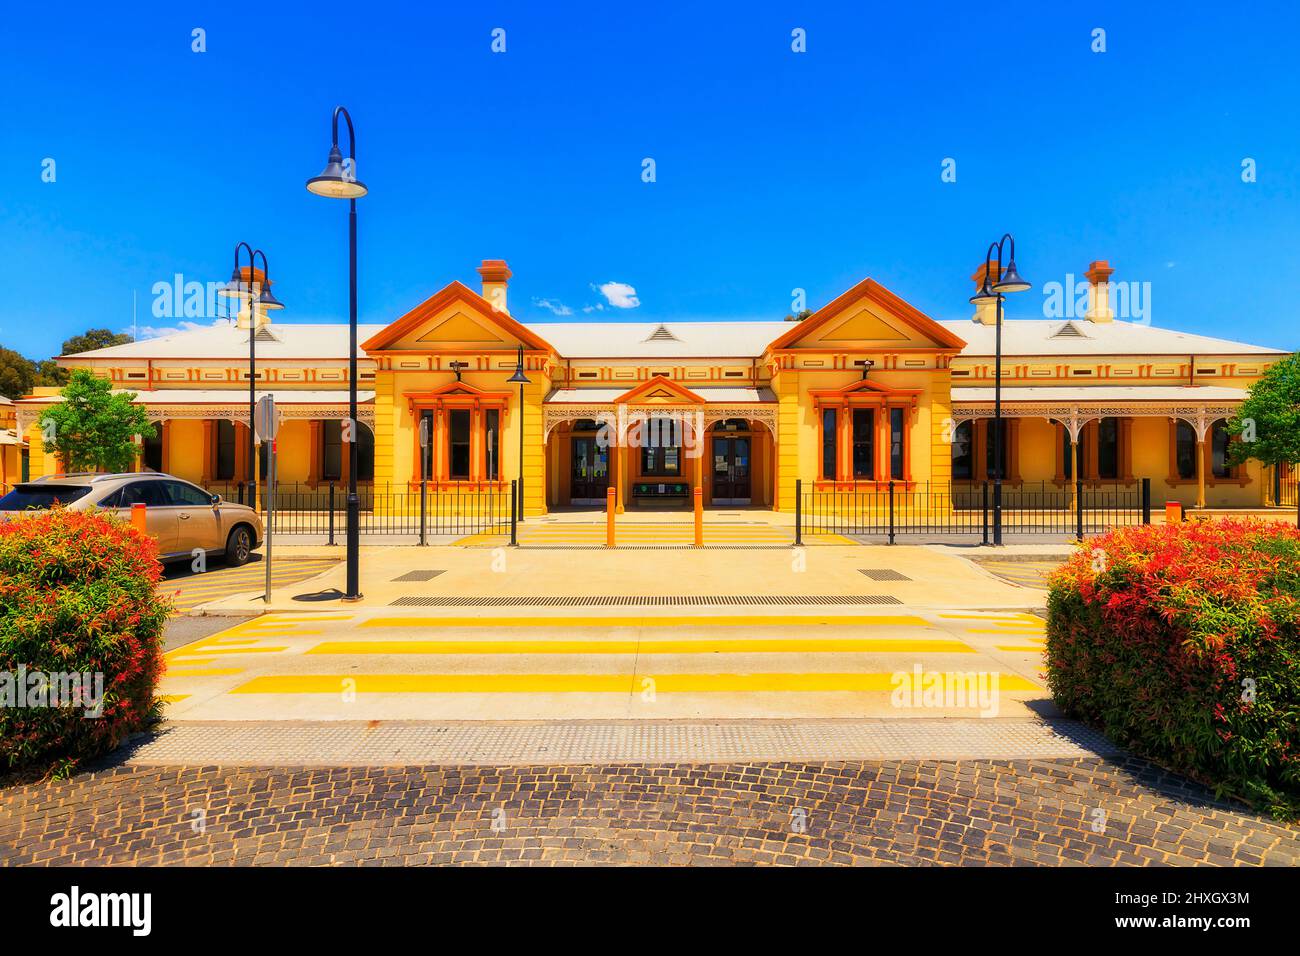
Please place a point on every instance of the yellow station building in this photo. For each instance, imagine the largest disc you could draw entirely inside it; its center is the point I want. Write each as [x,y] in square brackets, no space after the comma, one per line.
[865,390]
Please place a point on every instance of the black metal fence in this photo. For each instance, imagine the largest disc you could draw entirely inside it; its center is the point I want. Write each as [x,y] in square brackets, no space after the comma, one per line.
[1284,485]
[385,509]
[943,509]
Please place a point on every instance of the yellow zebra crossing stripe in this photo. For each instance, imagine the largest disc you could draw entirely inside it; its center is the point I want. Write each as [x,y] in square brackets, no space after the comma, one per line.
[588,683]
[743,646]
[722,620]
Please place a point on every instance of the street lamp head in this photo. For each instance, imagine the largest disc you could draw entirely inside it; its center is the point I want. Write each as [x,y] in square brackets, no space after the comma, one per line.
[985,294]
[237,287]
[337,181]
[267,300]
[519,378]
[1010,281]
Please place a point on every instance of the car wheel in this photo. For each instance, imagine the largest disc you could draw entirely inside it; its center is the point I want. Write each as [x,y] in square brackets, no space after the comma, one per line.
[239,546]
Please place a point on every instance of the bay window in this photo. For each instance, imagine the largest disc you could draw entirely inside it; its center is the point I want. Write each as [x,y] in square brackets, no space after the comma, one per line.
[465,428]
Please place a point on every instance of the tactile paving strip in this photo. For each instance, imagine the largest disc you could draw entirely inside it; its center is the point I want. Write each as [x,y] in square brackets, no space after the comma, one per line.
[408,743]
[419,575]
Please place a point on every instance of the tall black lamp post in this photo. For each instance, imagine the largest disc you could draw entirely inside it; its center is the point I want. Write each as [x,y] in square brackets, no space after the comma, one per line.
[521,379]
[1006,281]
[339,181]
[256,294]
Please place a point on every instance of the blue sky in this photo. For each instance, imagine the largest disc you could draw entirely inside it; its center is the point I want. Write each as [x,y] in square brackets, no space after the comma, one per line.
[775,170]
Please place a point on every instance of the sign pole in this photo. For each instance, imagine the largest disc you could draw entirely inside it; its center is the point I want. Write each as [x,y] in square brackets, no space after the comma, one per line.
[424,479]
[270,516]
[266,423]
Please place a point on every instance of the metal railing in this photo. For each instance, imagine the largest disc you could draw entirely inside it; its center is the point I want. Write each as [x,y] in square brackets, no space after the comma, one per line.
[1284,485]
[944,509]
[385,509]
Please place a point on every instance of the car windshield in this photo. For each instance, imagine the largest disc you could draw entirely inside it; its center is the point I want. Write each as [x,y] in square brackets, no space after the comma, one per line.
[31,497]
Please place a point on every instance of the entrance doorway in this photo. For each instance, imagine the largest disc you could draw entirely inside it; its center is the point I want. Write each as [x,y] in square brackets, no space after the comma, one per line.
[590,472]
[731,470]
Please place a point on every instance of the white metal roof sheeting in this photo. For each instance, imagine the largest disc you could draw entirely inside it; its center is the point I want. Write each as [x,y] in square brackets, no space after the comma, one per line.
[633,339]
[740,340]
[227,342]
[1039,337]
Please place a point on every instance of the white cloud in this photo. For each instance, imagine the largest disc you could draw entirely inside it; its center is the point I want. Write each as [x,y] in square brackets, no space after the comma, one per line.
[618,294]
[599,307]
[555,308]
[158,331]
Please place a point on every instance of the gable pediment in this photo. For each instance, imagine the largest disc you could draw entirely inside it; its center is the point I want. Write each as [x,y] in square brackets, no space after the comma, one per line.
[868,317]
[455,318]
[869,324]
[659,391]
[457,327]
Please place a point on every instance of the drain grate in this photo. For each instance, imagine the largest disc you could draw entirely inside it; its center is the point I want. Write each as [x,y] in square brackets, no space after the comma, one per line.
[420,575]
[644,600]
[884,574]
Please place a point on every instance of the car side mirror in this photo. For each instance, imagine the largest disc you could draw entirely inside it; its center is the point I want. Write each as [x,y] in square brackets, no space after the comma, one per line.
[216,500]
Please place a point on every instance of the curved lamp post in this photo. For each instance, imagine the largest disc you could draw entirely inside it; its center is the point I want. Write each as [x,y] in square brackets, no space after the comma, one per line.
[339,181]
[1007,281]
[256,295]
[521,380]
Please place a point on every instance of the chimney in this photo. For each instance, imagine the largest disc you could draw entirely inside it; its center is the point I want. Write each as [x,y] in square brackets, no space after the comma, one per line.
[495,275]
[1098,275]
[986,310]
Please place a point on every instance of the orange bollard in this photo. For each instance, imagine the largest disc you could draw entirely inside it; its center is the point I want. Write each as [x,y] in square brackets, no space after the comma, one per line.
[699,517]
[609,517]
[138,520]
[1173,512]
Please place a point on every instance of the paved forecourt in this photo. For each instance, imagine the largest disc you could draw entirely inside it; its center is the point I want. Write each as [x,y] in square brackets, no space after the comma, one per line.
[650,663]
[188,589]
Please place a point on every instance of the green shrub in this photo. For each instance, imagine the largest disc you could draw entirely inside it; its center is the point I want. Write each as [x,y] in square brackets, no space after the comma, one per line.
[1181,642]
[78,595]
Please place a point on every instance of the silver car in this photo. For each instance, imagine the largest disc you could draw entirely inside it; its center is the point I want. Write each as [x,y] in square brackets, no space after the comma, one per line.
[182,517]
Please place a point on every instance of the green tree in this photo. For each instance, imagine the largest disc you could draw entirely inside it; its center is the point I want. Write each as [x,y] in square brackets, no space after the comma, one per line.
[92,427]
[799,317]
[17,374]
[49,373]
[94,339]
[1268,422]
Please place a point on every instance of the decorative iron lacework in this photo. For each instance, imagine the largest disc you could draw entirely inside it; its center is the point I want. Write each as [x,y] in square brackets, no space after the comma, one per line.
[1077,414]
[232,411]
[619,417]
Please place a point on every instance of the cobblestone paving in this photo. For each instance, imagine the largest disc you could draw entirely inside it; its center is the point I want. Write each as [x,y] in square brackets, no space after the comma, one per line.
[1064,811]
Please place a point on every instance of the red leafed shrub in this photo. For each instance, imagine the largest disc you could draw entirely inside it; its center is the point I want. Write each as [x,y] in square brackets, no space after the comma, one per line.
[78,596]
[1182,642]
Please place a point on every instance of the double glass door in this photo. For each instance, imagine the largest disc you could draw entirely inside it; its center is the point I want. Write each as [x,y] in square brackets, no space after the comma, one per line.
[590,475]
[731,470]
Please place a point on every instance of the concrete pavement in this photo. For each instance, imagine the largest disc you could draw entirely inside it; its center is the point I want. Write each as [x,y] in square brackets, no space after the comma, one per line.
[908,575]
